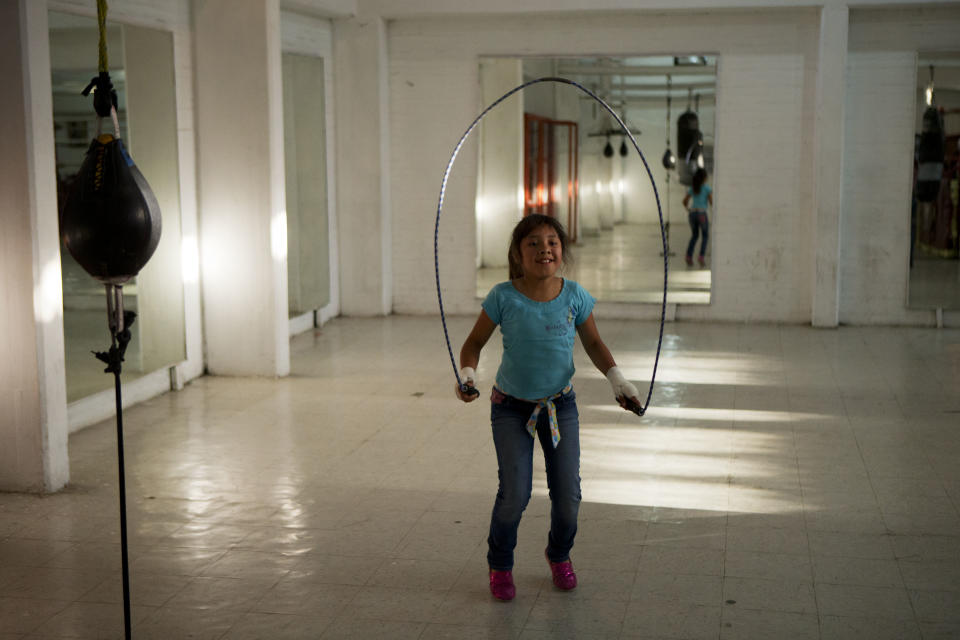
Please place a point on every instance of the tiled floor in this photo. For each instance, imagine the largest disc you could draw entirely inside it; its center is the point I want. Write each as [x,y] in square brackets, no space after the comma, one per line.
[625,264]
[787,483]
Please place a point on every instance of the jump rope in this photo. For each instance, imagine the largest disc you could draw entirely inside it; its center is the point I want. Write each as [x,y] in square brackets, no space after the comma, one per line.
[470,390]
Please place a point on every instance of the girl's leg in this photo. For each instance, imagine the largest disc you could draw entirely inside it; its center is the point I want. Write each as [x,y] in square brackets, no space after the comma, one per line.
[515,461]
[694,234]
[563,477]
[705,232]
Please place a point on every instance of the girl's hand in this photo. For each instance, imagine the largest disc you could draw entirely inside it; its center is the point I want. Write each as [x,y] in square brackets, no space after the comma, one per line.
[463,396]
[469,377]
[623,389]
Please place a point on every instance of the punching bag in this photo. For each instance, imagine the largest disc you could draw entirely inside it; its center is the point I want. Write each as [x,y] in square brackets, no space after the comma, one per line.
[111,219]
[689,146]
[930,156]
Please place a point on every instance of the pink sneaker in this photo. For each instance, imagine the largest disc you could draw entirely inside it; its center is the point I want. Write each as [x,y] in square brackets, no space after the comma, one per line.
[501,585]
[564,577]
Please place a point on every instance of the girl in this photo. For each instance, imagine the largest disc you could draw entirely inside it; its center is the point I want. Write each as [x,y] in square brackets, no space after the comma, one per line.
[537,311]
[701,193]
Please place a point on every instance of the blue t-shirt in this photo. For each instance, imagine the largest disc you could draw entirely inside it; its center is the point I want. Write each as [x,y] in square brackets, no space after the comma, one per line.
[699,200]
[537,338]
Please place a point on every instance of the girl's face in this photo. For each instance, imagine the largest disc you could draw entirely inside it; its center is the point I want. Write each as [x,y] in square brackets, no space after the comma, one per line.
[541,252]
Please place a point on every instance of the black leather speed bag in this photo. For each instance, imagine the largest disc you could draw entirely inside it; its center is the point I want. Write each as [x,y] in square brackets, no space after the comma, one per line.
[111,219]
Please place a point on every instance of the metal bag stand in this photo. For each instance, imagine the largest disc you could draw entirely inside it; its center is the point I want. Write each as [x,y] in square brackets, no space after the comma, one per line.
[119,322]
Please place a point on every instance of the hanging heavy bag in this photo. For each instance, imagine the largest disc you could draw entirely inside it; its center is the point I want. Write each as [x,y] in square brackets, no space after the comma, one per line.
[111,220]
[689,146]
[930,156]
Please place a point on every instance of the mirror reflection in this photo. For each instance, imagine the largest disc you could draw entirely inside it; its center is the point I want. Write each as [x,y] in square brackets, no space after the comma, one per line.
[552,149]
[305,166]
[142,71]
[935,240]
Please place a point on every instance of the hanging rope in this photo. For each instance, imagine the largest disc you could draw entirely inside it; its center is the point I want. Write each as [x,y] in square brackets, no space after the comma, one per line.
[443,187]
[667,134]
[102,67]
[104,98]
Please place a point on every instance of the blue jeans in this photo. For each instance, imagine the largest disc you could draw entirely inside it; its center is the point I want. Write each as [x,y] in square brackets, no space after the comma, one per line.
[508,416]
[698,225]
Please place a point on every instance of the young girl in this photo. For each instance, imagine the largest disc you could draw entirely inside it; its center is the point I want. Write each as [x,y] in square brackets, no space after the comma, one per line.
[537,311]
[701,194]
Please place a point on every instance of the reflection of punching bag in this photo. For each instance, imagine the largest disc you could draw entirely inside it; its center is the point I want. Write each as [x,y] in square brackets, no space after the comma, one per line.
[930,156]
[111,220]
[689,146]
[669,160]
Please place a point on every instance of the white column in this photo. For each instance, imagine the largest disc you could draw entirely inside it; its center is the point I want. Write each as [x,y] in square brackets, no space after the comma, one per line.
[828,159]
[33,396]
[243,245]
[363,165]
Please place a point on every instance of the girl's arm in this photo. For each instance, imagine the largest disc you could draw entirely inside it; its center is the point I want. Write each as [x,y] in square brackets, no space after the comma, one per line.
[470,352]
[599,354]
[710,198]
[686,199]
[602,358]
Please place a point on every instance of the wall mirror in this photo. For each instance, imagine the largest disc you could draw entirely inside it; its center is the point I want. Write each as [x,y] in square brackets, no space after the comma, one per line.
[554,150]
[305,165]
[934,281]
[142,70]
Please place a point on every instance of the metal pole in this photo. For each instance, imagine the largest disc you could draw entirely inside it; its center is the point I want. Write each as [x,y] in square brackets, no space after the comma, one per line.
[123,510]
[119,323]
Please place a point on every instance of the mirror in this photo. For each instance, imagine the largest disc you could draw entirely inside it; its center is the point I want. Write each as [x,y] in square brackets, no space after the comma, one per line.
[934,281]
[554,150]
[142,70]
[305,165]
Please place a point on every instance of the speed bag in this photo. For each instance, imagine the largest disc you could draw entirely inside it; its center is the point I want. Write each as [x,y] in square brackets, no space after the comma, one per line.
[669,160]
[930,156]
[111,219]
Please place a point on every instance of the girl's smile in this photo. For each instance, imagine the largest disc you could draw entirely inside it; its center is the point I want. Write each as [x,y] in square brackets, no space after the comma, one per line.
[541,252]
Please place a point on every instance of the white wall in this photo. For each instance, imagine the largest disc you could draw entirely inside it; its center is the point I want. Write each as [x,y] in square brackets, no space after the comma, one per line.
[363,162]
[878,172]
[766,90]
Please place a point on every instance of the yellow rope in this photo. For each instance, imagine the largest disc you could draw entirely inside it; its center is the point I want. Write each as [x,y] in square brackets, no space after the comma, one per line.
[102,22]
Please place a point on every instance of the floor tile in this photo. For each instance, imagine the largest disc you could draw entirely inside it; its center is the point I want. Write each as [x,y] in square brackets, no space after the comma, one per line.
[861,601]
[749,623]
[860,628]
[769,595]
[277,626]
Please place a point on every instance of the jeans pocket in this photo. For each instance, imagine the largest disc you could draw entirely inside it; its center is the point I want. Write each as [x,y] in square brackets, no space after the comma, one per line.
[497,396]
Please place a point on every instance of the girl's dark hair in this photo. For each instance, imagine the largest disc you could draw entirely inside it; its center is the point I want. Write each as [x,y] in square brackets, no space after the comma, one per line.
[699,177]
[524,228]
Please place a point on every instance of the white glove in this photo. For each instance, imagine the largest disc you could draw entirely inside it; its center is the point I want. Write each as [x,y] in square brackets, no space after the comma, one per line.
[468,376]
[622,388]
